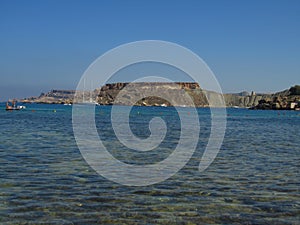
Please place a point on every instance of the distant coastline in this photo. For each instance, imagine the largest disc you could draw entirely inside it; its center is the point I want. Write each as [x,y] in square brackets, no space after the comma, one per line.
[288,99]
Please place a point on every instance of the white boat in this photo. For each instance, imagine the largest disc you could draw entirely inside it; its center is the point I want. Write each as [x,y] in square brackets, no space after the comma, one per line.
[12,105]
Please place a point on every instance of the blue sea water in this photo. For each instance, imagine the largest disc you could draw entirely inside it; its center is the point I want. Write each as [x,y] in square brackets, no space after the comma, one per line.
[254,179]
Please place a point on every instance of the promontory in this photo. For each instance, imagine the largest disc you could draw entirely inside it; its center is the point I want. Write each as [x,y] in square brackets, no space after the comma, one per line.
[107,94]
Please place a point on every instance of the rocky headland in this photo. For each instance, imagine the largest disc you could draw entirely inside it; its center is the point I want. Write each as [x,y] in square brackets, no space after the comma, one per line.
[285,100]
[107,95]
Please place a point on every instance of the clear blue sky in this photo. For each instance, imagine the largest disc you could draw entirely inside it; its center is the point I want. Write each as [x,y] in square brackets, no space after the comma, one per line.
[249,45]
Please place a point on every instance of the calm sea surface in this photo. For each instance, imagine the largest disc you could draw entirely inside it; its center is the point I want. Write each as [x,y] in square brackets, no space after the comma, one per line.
[255,178]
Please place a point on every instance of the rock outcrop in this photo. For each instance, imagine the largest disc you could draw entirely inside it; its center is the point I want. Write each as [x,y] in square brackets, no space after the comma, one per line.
[243,101]
[284,100]
[143,91]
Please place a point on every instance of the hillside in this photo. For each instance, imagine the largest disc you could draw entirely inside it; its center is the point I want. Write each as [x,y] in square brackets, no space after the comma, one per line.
[287,99]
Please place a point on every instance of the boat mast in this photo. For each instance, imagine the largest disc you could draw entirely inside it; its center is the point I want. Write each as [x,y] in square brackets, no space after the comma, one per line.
[91,92]
[83,90]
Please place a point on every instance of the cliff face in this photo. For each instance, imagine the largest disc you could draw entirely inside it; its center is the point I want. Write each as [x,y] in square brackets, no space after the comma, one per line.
[144,92]
[243,101]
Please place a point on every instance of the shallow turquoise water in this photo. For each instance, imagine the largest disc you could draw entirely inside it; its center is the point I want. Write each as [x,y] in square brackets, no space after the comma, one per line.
[255,178]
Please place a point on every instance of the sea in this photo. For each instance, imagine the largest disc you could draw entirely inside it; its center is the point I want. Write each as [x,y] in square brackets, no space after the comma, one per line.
[254,179]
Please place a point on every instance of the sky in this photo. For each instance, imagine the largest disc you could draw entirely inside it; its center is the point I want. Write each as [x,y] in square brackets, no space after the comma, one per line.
[249,45]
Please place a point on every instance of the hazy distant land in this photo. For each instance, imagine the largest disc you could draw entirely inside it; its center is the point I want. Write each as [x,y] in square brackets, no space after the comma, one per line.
[106,95]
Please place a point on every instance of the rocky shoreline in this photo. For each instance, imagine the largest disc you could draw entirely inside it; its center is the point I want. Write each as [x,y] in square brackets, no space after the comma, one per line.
[106,95]
[285,100]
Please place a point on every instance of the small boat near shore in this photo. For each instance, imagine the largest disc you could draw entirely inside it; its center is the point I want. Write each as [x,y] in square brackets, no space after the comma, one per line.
[12,105]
